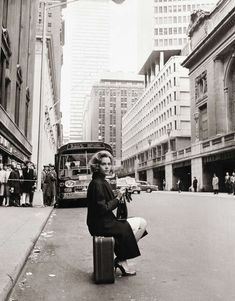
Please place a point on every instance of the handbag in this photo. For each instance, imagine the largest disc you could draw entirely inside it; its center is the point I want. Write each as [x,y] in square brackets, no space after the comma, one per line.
[122,211]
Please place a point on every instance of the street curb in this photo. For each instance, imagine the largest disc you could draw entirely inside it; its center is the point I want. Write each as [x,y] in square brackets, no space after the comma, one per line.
[5,294]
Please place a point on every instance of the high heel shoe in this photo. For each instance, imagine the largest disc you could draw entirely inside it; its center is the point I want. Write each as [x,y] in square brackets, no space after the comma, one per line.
[122,269]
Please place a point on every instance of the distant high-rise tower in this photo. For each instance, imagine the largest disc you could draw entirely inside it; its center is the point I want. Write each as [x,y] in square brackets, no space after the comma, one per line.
[86,56]
[162,31]
[110,99]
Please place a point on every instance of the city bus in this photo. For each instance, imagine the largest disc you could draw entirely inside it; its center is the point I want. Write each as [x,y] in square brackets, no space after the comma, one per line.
[73,172]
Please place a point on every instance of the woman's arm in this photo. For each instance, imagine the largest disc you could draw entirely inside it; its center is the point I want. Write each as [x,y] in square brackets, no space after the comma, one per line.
[100,198]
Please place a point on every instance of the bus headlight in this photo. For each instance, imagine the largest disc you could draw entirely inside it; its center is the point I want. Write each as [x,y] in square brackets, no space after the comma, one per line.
[69,183]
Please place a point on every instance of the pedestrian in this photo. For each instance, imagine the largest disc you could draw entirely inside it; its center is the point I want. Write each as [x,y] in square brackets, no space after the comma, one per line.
[28,183]
[101,220]
[54,182]
[232,180]
[215,184]
[7,168]
[195,182]
[227,183]
[3,177]
[164,184]
[31,195]
[48,179]
[14,186]
[179,185]
[19,169]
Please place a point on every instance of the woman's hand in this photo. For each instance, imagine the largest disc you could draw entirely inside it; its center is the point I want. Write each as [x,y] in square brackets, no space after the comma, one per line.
[120,193]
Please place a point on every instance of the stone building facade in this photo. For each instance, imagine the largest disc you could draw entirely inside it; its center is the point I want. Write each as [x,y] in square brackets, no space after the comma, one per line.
[17,46]
[211,65]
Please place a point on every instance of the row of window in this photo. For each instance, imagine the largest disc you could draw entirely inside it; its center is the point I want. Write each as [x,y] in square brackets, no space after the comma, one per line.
[160,1]
[132,93]
[162,91]
[170,30]
[177,8]
[170,42]
[172,19]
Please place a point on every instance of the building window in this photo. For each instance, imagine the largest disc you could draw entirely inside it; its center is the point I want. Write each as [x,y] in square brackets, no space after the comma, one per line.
[4,68]
[18,94]
[203,124]
[201,85]
[5,13]
[3,81]
[26,112]
[17,103]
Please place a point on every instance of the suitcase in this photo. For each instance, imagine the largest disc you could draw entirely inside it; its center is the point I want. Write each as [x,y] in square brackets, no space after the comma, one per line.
[103,261]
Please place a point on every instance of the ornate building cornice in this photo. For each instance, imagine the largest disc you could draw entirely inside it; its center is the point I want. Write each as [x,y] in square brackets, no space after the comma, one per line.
[197,18]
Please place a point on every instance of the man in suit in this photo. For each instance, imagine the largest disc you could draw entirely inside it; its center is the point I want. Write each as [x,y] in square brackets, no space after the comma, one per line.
[28,183]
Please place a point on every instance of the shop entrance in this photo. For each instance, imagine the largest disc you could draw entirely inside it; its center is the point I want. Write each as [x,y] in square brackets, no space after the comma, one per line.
[219,167]
[143,175]
[182,171]
[159,176]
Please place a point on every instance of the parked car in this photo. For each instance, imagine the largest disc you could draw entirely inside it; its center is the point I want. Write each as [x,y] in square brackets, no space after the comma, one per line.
[128,183]
[135,189]
[146,186]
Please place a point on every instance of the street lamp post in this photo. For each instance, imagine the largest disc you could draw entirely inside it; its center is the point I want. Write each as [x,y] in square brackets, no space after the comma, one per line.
[196,118]
[136,163]
[41,101]
[169,129]
[150,153]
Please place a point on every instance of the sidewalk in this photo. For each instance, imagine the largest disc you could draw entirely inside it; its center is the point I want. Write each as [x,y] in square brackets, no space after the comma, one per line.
[205,194]
[19,230]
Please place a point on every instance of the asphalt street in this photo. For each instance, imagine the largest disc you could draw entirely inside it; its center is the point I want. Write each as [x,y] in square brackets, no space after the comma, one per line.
[189,254]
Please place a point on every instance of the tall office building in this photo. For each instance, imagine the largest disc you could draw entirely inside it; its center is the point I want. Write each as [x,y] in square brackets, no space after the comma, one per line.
[163,31]
[110,99]
[86,56]
[50,121]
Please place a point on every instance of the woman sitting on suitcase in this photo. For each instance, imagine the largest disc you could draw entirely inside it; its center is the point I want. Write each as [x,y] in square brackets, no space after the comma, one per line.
[101,220]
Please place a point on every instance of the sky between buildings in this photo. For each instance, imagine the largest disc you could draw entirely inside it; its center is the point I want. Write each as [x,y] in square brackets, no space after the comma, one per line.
[123,47]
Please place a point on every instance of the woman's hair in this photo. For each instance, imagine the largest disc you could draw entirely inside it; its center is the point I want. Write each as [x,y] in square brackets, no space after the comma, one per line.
[96,160]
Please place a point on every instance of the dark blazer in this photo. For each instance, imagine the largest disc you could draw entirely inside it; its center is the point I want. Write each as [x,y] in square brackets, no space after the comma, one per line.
[101,220]
[14,181]
[28,175]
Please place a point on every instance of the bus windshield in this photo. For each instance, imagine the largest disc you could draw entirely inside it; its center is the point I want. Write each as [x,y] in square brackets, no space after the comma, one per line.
[73,165]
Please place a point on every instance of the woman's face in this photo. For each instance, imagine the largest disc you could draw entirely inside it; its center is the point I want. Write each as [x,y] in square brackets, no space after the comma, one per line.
[105,166]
